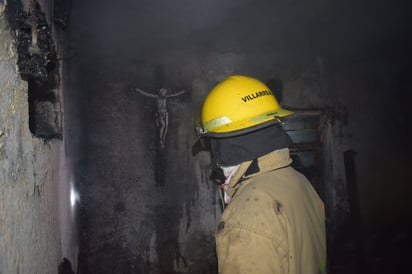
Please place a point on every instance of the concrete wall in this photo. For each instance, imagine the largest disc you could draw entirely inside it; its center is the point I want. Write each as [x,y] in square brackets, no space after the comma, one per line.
[36,220]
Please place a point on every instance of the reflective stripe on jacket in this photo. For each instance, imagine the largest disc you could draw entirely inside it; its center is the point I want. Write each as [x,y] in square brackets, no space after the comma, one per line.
[274,223]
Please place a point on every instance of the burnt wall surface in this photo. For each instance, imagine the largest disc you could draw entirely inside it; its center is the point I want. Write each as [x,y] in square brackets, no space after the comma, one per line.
[35,214]
[148,208]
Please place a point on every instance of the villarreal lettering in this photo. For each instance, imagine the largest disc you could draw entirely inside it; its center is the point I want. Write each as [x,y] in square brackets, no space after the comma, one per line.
[256,95]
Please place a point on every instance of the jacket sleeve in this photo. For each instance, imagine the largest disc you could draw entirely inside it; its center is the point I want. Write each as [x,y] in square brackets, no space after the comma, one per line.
[242,250]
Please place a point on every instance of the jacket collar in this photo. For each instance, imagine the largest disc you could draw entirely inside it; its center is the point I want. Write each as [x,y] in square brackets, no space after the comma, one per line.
[271,161]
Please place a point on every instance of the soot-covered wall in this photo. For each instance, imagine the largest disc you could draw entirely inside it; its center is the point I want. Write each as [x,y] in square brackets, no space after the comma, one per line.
[148,208]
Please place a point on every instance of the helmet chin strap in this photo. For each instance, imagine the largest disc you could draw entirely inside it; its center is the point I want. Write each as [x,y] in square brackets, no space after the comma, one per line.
[216,173]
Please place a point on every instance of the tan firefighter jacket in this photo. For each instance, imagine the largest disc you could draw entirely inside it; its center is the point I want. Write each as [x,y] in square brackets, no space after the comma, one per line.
[274,223]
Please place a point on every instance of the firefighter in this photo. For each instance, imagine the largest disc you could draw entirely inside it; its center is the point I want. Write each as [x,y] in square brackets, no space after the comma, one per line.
[273,220]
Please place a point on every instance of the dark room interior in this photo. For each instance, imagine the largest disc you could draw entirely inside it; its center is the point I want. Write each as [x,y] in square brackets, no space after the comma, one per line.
[134,199]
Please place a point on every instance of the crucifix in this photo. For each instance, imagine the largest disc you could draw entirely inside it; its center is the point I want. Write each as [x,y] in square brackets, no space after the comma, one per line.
[162,116]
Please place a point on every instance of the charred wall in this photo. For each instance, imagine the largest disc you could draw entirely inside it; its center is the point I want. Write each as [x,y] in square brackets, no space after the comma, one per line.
[33,210]
[38,64]
[152,209]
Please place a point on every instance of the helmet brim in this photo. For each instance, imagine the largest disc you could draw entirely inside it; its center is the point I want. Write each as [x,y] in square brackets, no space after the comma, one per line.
[275,120]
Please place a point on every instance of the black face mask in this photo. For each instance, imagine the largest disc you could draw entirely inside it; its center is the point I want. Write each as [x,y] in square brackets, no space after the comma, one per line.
[232,151]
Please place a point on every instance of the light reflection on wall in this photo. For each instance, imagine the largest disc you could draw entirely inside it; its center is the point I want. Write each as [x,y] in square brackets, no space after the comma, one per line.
[74,196]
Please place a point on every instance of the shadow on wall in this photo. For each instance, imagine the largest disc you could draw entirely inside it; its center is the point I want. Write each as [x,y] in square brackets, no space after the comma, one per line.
[65,267]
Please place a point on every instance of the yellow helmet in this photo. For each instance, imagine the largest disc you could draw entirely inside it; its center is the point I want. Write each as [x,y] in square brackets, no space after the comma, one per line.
[237,105]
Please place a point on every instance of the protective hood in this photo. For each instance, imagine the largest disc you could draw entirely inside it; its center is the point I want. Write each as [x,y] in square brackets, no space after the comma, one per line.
[232,151]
